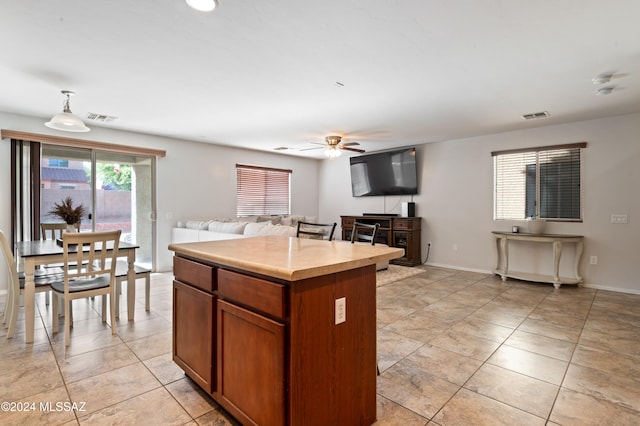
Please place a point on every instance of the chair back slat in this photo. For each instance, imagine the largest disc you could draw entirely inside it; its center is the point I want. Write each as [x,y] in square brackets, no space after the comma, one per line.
[92,258]
[364,232]
[316,230]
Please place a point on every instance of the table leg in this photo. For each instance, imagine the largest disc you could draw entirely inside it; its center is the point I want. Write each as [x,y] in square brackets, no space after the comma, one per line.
[29,298]
[131,284]
[557,252]
[579,249]
[504,246]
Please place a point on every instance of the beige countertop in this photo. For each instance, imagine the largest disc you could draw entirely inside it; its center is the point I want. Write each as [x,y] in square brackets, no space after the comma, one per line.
[287,258]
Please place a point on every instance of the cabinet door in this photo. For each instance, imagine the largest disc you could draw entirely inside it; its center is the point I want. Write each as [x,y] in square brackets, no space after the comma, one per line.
[250,366]
[193,333]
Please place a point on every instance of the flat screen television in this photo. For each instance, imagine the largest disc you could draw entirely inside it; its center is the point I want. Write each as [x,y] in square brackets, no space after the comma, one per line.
[384,173]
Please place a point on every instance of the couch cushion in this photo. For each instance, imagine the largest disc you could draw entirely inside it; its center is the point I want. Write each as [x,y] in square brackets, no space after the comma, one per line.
[272,219]
[227,227]
[287,231]
[254,229]
[197,224]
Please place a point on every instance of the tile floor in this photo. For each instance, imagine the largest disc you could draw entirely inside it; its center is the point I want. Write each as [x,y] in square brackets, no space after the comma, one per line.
[454,348]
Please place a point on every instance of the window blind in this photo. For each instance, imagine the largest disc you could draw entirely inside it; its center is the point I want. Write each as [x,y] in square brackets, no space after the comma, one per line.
[262,190]
[544,182]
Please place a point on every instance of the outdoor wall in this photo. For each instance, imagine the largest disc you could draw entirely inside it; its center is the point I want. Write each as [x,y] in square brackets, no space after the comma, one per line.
[456,200]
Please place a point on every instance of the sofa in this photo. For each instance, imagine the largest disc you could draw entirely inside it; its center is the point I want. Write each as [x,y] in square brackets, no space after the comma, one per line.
[231,228]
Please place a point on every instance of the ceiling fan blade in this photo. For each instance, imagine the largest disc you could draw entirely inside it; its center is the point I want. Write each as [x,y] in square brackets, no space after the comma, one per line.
[350,143]
[346,148]
[310,149]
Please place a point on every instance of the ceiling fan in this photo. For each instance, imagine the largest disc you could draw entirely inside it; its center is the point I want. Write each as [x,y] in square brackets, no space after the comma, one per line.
[334,144]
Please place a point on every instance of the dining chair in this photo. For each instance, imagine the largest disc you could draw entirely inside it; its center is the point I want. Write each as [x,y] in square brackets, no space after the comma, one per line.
[95,278]
[15,286]
[316,230]
[52,231]
[364,232]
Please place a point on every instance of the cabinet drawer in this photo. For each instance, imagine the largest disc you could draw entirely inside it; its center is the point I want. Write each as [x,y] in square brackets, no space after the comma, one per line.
[403,224]
[347,222]
[256,293]
[194,273]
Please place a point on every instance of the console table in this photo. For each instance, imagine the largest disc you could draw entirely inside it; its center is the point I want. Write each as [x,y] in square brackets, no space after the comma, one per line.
[394,231]
[502,265]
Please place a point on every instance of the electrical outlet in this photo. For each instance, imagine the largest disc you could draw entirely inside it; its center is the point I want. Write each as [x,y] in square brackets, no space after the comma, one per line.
[341,310]
[593,260]
[619,218]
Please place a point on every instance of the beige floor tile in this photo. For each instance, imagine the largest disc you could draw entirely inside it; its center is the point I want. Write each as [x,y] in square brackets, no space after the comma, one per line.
[391,414]
[422,321]
[542,345]
[155,407]
[575,408]
[547,329]
[151,346]
[164,369]
[96,362]
[470,408]
[217,417]
[393,347]
[482,329]
[465,344]
[628,344]
[612,363]
[550,370]
[514,389]
[624,390]
[112,387]
[447,365]
[51,407]
[194,400]
[414,389]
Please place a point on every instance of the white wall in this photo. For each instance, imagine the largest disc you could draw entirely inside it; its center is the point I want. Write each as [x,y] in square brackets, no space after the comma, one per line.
[456,200]
[194,180]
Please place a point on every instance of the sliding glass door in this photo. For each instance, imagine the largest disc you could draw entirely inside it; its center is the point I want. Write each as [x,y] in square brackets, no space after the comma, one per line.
[117,191]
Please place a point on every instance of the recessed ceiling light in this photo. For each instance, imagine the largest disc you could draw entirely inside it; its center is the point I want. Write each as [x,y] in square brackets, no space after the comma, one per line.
[203,5]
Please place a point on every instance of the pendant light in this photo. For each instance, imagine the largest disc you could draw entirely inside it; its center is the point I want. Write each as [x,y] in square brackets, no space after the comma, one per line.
[66,121]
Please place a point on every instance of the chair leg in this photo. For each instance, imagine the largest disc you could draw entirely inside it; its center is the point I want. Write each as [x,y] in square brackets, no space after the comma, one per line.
[67,323]
[112,308]
[104,308]
[117,297]
[13,314]
[54,312]
[46,299]
[147,291]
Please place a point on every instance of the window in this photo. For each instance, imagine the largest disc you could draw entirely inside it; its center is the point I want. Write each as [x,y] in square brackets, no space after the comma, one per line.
[545,181]
[262,190]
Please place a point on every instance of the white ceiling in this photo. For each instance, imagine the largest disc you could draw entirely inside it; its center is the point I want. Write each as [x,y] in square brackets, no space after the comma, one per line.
[263,74]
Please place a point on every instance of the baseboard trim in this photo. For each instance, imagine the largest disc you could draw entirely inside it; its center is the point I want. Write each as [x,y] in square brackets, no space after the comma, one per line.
[587,285]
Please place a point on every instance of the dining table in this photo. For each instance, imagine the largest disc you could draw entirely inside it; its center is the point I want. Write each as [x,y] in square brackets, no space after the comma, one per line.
[32,254]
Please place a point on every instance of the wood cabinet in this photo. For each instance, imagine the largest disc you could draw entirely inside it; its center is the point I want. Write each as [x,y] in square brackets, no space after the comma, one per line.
[194,321]
[394,231]
[269,351]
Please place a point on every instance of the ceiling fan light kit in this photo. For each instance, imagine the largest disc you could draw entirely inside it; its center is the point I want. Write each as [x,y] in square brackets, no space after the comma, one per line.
[66,121]
[332,153]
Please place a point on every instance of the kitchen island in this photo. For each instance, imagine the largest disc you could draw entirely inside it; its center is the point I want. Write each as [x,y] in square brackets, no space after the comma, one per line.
[280,330]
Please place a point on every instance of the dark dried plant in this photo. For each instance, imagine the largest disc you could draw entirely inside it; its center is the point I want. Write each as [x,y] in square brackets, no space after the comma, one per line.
[65,211]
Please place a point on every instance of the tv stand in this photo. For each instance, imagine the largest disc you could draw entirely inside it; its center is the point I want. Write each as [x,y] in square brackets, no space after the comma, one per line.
[394,231]
[381,214]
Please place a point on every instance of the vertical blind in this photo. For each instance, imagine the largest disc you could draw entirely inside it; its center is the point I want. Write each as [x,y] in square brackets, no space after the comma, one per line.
[544,182]
[262,190]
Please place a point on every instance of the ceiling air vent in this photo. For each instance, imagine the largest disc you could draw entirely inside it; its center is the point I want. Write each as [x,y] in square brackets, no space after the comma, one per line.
[99,118]
[536,115]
